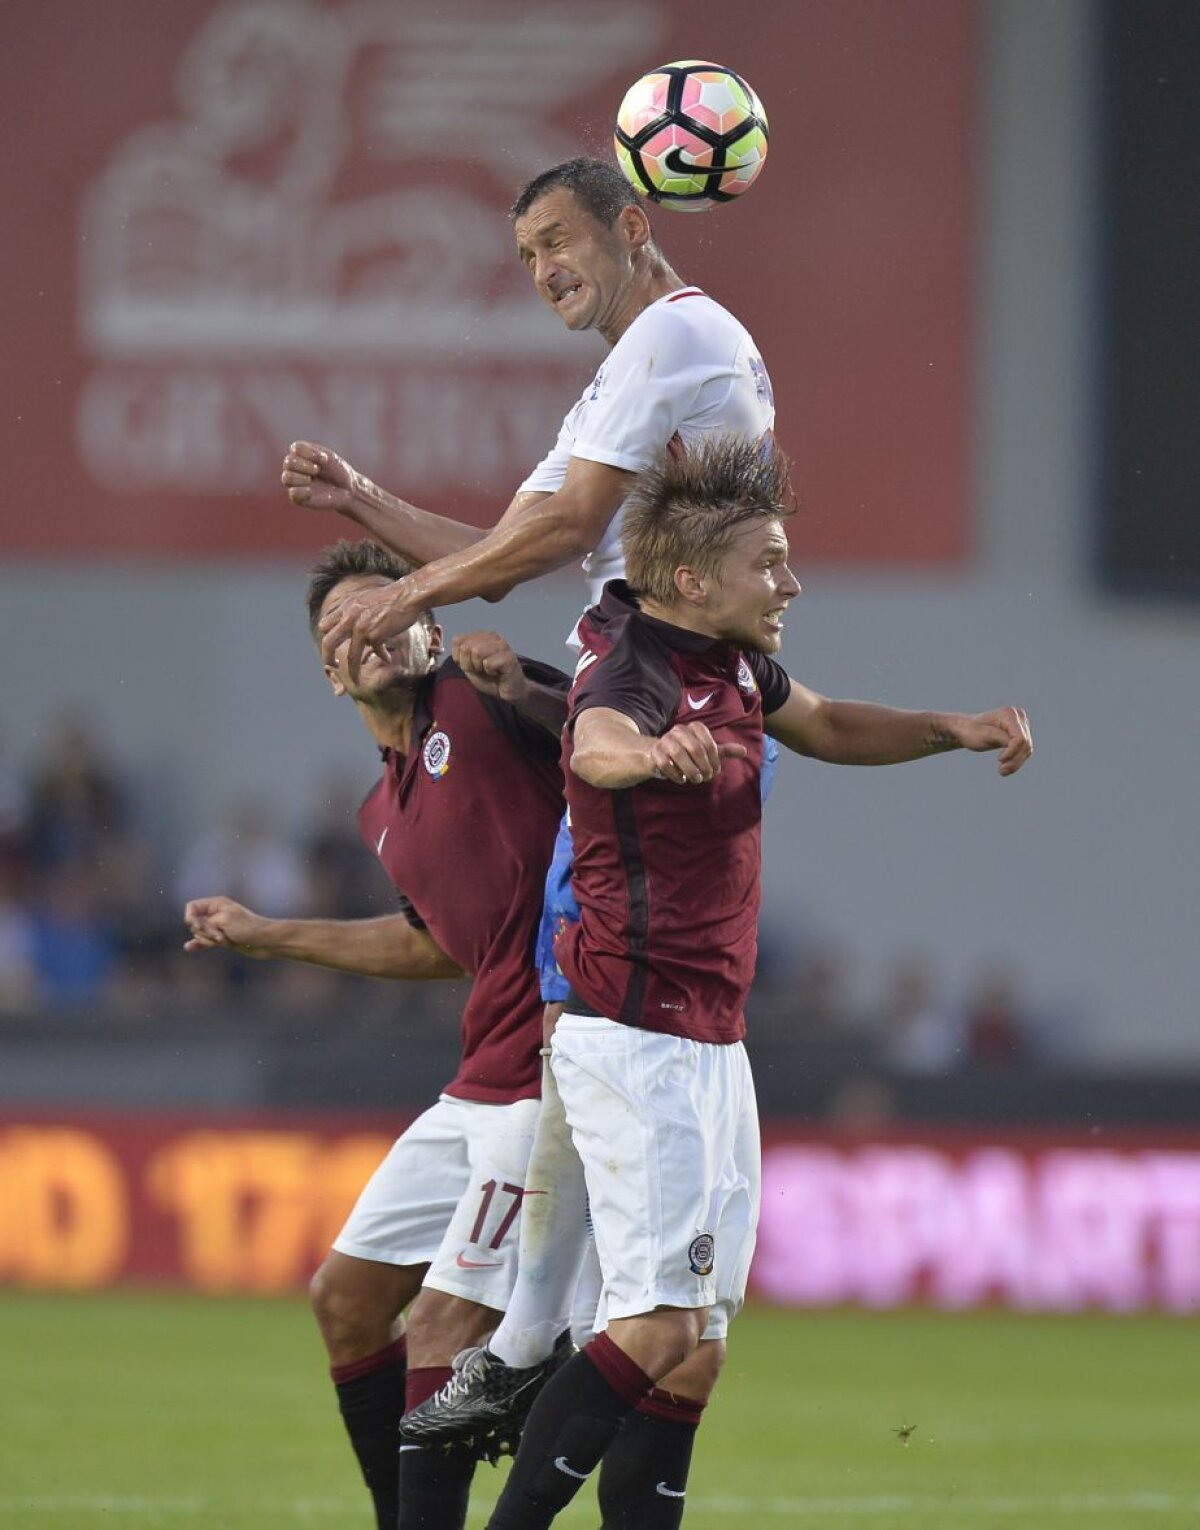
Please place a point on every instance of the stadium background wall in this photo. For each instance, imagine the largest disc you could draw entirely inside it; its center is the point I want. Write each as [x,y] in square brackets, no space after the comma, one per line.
[925,264]
[1032,1219]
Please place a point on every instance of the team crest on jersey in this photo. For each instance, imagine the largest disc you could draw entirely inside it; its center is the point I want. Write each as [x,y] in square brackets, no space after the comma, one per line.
[700,1254]
[436,754]
[597,384]
[745,678]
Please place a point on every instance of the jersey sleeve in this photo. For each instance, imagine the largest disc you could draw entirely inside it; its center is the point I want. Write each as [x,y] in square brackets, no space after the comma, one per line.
[773,681]
[647,388]
[628,681]
[530,737]
[551,471]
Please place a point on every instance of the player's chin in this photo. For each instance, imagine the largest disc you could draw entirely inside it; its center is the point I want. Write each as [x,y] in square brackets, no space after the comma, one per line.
[576,315]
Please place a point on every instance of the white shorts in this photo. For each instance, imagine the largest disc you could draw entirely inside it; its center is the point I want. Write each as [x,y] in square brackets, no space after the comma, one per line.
[668,1133]
[448,1194]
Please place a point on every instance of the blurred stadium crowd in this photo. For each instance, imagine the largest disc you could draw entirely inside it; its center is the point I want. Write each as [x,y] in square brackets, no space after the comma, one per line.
[91,906]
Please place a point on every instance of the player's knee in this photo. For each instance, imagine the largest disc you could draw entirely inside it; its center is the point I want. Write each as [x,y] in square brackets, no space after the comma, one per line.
[353,1315]
[660,1341]
[697,1377]
[334,1305]
[439,1325]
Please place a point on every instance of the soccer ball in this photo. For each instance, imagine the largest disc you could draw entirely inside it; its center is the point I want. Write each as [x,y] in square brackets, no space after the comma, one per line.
[691,134]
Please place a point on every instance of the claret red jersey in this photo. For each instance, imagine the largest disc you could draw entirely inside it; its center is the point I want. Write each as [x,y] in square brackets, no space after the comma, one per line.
[464,826]
[668,876]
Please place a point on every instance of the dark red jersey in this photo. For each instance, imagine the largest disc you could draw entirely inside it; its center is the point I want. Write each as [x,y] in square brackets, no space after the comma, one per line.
[667,876]
[464,825]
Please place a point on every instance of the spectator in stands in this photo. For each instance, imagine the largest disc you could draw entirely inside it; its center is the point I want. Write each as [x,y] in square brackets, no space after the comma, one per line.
[18,968]
[250,861]
[77,799]
[345,882]
[14,815]
[993,1024]
[918,1033]
[74,947]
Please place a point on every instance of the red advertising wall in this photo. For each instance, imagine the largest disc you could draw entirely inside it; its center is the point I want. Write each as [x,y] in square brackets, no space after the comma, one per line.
[1045,1221]
[231,225]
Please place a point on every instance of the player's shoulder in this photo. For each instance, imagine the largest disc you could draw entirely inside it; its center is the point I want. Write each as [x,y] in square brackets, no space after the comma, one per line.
[760,673]
[479,717]
[623,664]
[688,320]
[449,695]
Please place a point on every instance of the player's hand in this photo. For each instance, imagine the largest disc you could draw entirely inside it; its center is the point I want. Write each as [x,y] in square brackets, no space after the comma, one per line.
[367,621]
[1006,729]
[490,664]
[222,922]
[690,756]
[316,477]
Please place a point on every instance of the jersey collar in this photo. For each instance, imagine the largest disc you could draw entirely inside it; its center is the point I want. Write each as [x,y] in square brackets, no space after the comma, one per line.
[618,601]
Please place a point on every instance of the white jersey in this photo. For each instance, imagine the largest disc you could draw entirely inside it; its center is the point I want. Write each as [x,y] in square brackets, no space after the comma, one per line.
[685,367]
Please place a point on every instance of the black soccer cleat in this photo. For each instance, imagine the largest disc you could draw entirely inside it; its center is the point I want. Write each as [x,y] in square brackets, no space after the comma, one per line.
[485,1401]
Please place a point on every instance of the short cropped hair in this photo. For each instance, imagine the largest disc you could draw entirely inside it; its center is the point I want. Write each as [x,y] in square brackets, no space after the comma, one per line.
[687,509]
[353,560]
[599,187]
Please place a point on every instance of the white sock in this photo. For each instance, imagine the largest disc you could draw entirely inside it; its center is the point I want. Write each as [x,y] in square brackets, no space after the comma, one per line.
[553,1240]
[587,1297]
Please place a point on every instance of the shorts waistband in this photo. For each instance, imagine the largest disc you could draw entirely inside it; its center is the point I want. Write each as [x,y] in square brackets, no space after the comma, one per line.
[574,1005]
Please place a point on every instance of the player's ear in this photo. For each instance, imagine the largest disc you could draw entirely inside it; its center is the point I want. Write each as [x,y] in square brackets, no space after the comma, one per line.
[335,682]
[635,226]
[437,640]
[692,586]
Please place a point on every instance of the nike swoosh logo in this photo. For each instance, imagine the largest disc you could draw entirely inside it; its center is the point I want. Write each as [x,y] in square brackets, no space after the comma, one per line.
[669,1492]
[474,1264]
[380,840]
[561,1463]
[703,702]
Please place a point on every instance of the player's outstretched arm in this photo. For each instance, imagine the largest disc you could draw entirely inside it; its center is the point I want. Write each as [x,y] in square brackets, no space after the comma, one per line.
[388,947]
[611,753]
[493,668]
[861,733]
[536,534]
[320,479]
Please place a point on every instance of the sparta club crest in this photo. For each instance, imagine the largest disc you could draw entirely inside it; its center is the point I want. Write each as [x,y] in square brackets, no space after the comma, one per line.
[700,1254]
[745,678]
[436,754]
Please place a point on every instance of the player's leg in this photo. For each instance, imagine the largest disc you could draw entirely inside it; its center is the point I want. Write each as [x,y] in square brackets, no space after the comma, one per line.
[552,1243]
[465,1290]
[357,1304]
[651,1195]
[375,1269]
[553,1234]
[643,1477]
[582,1409]
[434,1485]
[553,1229]
[492,1394]
[644,1473]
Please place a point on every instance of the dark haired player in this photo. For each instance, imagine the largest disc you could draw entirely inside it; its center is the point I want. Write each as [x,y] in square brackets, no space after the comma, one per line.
[664,746]
[679,367]
[463,820]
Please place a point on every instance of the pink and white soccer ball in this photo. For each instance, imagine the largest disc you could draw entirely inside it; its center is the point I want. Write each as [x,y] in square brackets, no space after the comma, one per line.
[691,135]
